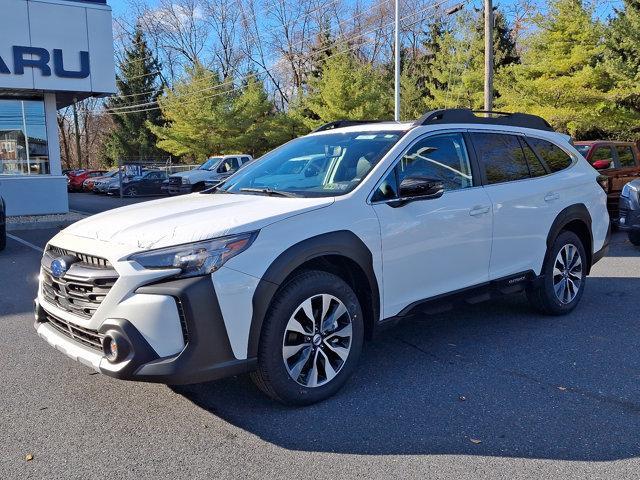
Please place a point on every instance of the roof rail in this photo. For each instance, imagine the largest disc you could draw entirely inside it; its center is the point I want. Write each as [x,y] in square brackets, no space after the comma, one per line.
[343,123]
[465,115]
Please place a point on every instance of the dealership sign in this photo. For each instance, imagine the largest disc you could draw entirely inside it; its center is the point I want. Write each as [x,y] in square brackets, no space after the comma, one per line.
[40,58]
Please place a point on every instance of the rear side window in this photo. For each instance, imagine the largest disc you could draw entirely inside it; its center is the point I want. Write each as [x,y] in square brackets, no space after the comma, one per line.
[501,157]
[536,168]
[555,158]
[625,156]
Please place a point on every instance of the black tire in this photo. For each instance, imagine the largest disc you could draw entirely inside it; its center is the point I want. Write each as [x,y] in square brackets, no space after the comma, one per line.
[130,192]
[198,187]
[543,296]
[3,233]
[634,237]
[272,376]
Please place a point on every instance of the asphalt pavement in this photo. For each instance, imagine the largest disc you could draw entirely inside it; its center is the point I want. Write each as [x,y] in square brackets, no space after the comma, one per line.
[491,391]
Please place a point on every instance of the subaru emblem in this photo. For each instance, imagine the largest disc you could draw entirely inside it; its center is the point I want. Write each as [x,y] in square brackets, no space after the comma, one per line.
[59,267]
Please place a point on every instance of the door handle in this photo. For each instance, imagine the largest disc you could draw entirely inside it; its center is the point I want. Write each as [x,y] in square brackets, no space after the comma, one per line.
[550,197]
[478,210]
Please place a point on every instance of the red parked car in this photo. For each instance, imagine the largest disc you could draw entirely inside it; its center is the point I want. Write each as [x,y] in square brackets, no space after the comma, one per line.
[75,179]
[619,161]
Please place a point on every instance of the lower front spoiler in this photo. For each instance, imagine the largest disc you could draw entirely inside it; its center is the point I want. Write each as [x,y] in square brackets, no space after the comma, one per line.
[207,354]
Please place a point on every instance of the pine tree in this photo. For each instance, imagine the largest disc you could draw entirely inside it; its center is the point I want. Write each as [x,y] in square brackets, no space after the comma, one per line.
[139,83]
[623,64]
[562,76]
[347,89]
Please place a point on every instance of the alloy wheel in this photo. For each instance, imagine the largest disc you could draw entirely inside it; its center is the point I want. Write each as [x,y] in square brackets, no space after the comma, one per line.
[567,274]
[317,340]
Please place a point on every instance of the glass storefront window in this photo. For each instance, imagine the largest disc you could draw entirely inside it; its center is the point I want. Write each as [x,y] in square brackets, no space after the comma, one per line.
[23,137]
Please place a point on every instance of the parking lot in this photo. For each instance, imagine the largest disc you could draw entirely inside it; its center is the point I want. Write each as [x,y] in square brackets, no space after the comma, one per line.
[492,391]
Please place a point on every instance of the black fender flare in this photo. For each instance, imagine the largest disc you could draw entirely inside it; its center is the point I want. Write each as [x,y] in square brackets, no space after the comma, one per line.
[342,242]
[571,213]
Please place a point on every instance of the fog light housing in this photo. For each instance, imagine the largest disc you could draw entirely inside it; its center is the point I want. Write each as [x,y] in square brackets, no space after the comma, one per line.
[115,347]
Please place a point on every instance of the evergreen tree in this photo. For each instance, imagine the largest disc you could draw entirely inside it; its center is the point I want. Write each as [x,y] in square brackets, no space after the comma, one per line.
[346,89]
[457,67]
[204,117]
[562,76]
[138,83]
[623,65]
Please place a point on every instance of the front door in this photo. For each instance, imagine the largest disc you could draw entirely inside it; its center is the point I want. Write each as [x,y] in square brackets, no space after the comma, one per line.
[433,246]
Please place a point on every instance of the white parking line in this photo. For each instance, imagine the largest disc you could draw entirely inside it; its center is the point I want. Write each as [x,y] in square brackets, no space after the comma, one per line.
[24,242]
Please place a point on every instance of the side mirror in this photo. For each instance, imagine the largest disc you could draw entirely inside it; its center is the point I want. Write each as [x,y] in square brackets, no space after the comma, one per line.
[417,187]
[601,164]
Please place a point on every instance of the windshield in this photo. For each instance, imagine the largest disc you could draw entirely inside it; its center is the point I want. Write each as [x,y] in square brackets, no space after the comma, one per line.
[317,165]
[209,164]
[583,149]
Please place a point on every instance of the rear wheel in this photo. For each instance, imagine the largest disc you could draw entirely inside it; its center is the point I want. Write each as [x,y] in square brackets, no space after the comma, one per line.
[311,339]
[634,237]
[563,276]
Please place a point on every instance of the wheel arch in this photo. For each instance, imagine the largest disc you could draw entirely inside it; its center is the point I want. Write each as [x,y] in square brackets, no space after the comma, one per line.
[577,219]
[342,253]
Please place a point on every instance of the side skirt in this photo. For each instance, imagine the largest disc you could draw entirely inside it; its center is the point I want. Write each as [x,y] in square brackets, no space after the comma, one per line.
[471,295]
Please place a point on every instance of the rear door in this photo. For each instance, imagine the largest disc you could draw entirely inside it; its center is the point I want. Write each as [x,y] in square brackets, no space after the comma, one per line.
[524,200]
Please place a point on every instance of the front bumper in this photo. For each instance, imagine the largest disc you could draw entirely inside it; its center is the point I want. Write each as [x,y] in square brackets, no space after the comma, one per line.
[179,189]
[207,354]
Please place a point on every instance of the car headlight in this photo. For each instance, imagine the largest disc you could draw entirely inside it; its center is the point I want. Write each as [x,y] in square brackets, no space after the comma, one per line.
[199,258]
[185,181]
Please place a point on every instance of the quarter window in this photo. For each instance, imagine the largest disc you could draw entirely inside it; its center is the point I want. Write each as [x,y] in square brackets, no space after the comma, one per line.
[536,168]
[440,157]
[501,157]
[555,158]
[625,156]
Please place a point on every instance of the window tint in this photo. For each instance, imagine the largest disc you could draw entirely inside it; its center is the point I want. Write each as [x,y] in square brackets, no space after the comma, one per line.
[536,169]
[501,157]
[625,156]
[441,157]
[555,158]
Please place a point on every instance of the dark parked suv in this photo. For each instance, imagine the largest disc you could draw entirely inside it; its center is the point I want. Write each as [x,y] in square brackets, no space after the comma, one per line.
[619,161]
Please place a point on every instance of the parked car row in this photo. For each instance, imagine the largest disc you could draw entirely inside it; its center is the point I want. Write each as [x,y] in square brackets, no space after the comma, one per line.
[211,172]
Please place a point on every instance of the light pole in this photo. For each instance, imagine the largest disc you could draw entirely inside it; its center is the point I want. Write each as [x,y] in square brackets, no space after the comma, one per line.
[488,55]
[397,63]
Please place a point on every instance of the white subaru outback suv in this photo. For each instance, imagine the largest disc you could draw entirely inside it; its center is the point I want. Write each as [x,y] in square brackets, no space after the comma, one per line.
[286,280]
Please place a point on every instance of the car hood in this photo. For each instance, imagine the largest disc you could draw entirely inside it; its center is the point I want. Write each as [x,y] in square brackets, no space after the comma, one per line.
[190,218]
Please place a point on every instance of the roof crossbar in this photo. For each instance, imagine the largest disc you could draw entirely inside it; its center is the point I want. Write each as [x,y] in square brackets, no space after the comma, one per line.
[465,115]
[343,123]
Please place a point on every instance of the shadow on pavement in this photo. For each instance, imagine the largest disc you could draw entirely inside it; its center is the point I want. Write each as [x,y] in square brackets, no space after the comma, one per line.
[522,384]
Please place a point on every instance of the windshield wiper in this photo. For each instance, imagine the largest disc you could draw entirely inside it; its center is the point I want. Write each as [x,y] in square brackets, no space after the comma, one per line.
[269,191]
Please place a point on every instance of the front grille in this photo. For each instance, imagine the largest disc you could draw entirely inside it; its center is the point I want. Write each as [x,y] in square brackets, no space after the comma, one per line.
[85,336]
[89,259]
[83,287]
[175,181]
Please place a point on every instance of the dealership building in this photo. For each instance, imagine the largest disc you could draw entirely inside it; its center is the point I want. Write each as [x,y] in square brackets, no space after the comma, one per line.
[52,53]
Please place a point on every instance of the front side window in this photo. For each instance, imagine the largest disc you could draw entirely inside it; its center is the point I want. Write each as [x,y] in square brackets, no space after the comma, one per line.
[439,157]
[625,156]
[327,164]
[23,138]
[555,158]
[501,157]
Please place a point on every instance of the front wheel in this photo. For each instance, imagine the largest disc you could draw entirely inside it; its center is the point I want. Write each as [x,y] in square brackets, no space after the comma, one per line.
[311,339]
[634,237]
[563,276]
[131,192]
